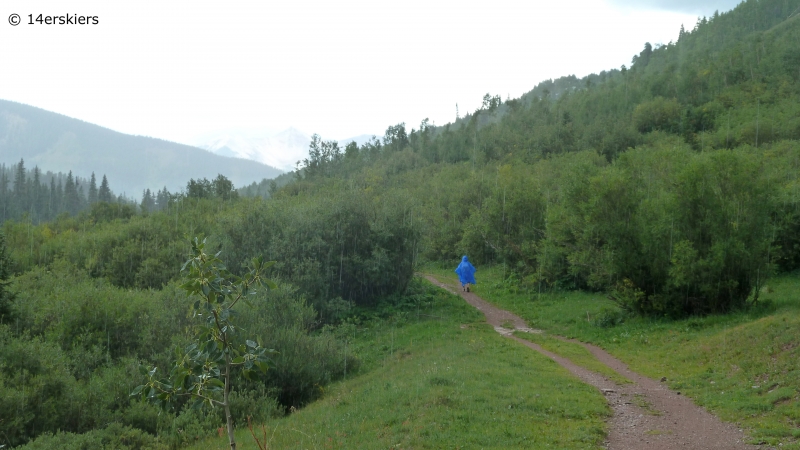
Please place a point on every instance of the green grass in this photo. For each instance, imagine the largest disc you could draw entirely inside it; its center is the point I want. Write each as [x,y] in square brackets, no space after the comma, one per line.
[742,366]
[575,353]
[442,379]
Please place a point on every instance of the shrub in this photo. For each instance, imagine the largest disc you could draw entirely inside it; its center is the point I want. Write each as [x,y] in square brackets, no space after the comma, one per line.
[657,114]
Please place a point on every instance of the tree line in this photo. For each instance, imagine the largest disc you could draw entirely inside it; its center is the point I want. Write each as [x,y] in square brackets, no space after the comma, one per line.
[43,196]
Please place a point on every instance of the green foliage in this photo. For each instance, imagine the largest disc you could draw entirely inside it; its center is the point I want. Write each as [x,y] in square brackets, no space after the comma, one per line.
[323,158]
[785,173]
[202,372]
[425,383]
[266,188]
[356,245]
[35,383]
[219,187]
[6,295]
[303,361]
[71,354]
[113,242]
[67,356]
[673,185]
[107,212]
[658,114]
[114,436]
[692,233]
[609,317]
[696,230]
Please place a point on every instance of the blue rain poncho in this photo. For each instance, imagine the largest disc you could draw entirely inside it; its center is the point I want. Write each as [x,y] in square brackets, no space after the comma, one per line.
[466,272]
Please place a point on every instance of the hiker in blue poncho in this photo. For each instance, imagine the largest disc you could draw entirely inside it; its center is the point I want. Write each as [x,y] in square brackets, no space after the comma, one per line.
[466,273]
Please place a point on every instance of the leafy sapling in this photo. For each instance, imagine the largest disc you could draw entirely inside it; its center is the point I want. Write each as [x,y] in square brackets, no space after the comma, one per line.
[202,371]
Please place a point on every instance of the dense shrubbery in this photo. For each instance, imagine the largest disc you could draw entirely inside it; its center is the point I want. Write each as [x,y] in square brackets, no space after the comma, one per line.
[345,244]
[71,356]
[352,244]
[679,232]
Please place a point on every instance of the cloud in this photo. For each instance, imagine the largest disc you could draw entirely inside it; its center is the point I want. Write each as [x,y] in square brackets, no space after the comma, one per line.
[701,8]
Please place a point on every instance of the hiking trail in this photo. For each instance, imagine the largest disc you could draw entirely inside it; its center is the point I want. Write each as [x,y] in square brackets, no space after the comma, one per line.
[646,413]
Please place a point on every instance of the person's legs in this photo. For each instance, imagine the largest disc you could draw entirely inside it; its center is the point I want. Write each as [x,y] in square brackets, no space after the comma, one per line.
[467,287]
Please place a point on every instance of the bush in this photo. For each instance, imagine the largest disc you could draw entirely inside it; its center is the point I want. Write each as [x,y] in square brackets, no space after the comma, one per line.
[114,437]
[698,228]
[673,231]
[658,114]
[304,362]
[609,318]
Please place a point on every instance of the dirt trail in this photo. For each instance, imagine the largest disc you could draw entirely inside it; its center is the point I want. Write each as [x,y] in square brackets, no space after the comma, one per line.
[647,414]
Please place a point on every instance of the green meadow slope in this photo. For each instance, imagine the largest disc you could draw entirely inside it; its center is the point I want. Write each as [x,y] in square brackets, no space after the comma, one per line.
[741,366]
[441,378]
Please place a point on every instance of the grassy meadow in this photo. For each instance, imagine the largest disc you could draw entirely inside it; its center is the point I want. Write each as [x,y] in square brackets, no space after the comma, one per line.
[439,377]
[741,366]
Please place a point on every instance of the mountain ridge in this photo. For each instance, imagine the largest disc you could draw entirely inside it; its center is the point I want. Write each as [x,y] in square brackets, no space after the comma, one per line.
[132,163]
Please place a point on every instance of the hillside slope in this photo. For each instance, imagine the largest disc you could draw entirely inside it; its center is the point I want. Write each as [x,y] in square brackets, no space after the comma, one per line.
[593,183]
[134,163]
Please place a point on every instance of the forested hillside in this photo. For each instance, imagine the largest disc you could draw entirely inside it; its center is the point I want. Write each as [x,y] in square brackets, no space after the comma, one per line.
[671,184]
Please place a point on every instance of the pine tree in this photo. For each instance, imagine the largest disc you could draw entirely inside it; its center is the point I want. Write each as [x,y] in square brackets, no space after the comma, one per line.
[59,199]
[81,197]
[92,190]
[104,194]
[6,297]
[52,200]
[162,199]
[223,188]
[148,202]
[33,194]
[5,196]
[19,187]
[19,180]
[71,199]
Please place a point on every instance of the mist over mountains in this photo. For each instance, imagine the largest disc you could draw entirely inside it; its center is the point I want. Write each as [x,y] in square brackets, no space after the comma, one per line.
[56,142]
[282,150]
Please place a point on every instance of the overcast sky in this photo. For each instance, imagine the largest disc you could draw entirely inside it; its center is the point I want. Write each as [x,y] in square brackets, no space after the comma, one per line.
[187,70]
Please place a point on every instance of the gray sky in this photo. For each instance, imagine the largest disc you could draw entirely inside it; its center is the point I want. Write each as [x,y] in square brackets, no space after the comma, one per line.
[182,70]
[698,8]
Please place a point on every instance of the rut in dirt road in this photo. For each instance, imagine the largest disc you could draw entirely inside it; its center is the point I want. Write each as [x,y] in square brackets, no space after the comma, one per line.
[646,414]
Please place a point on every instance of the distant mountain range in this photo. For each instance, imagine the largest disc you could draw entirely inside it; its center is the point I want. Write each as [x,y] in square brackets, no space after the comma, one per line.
[132,163]
[282,150]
